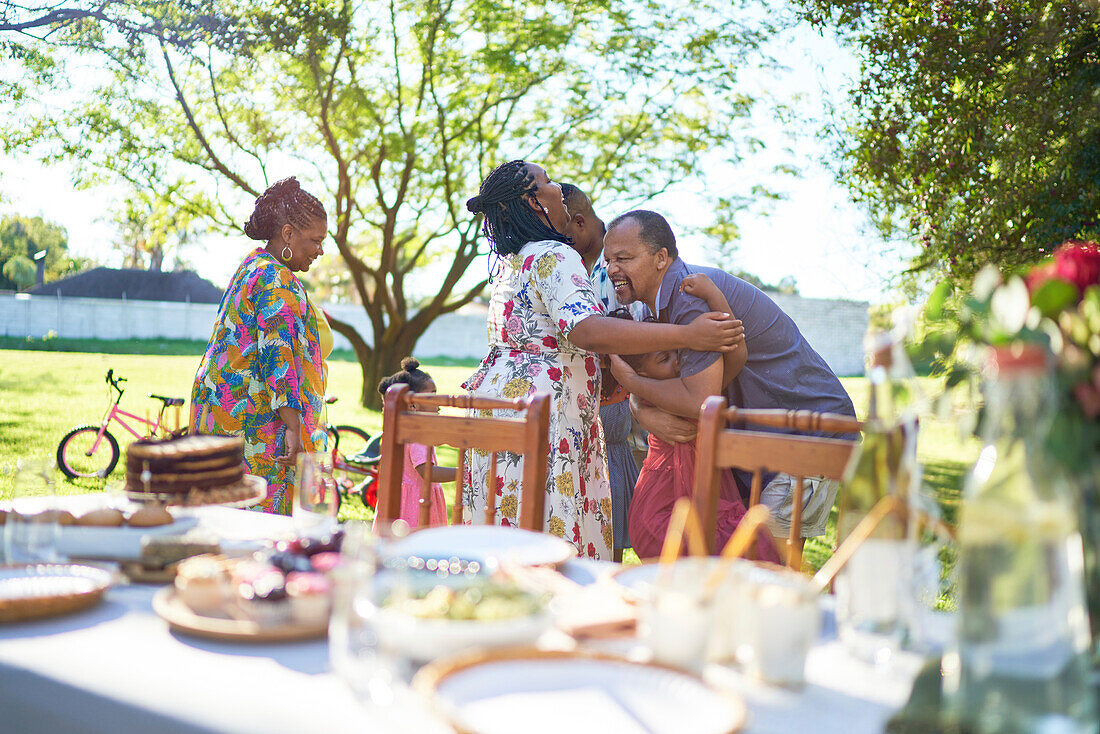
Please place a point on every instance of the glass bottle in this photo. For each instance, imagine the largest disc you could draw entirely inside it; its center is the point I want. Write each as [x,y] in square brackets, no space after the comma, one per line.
[870,589]
[1020,659]
[873,470]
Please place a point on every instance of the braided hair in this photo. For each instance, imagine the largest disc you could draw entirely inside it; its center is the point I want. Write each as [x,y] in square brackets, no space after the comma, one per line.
[284,202]
[510,222]
[410,375]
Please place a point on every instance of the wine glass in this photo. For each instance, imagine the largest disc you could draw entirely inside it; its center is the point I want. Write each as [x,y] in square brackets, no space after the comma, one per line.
[315,497]
[375,675]
[31,529]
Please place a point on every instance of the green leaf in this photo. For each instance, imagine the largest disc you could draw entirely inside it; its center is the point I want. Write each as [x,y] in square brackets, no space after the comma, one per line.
[975,309]
[1053,297]
[1010,304]
[1090,307]
[1074,326]
[933,345]
[955,376]
[933,310]
[959,126]
[944,342]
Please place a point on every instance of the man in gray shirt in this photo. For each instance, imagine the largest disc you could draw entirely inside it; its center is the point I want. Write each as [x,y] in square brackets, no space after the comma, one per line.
[782,369]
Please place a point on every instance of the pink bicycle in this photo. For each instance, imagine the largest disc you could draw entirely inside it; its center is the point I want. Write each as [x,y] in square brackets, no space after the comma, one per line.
[91,450]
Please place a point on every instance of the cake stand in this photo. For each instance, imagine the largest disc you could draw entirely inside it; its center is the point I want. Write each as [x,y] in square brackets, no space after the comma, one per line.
[250,491]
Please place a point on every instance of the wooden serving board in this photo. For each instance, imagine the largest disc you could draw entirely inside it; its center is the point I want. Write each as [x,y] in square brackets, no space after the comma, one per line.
[168,606]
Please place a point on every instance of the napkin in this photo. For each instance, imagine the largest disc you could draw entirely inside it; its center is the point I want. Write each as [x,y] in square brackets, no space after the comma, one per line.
[583,612]
[597,611]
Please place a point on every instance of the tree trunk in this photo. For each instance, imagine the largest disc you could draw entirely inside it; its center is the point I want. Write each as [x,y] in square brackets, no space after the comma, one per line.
[374,364]
[385,362]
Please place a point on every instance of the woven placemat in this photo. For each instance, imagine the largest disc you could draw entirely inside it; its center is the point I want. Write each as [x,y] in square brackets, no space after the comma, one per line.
[33,591]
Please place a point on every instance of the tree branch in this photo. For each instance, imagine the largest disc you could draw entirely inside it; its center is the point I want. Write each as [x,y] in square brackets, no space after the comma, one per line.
[191,122]
[216,98]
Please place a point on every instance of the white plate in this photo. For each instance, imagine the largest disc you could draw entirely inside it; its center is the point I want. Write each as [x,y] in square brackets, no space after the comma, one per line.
[36,581]
[640,578]
[121,543]
[535,692]
[114,543]
[484,542]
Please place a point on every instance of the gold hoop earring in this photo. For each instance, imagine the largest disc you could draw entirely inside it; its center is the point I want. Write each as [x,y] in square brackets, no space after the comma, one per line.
[286,253]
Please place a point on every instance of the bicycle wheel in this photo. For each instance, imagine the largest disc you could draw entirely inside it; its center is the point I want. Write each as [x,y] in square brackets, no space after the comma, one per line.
[349,439]
[75,457]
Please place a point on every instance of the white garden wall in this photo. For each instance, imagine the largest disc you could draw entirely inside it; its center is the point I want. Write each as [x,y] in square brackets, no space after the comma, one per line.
[835,328]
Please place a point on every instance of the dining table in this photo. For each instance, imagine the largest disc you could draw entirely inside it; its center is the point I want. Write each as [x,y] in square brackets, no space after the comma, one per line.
[119,667]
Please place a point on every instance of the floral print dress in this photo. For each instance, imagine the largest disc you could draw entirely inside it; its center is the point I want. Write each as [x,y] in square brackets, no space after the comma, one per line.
[539,295]
[265,353]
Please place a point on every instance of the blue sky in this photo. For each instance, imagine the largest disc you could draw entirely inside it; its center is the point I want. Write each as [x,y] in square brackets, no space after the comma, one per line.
[816,234]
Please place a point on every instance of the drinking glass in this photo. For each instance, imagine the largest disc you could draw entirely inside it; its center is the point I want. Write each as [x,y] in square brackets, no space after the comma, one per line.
[31,529]
[777,619]
[315,490]
[927,631]
[677,615]
[870,598]
[356,652]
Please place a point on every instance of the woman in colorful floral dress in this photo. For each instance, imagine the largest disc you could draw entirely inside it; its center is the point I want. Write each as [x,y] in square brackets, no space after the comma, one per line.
[263,374]
[545,327]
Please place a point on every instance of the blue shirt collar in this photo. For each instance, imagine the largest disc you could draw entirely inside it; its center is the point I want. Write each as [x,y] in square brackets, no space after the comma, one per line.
[669,283]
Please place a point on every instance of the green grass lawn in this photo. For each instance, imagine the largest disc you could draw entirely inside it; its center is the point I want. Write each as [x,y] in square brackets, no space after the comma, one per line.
[45,393]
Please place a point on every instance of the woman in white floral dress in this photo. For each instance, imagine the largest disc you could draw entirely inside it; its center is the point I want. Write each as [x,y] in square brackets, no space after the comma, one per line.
[545,327]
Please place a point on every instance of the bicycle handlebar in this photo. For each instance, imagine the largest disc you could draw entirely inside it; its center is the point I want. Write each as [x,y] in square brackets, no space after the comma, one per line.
[114,381]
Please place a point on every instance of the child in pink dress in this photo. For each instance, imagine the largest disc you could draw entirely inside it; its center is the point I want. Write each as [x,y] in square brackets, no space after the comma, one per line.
[416,455]
[668,472]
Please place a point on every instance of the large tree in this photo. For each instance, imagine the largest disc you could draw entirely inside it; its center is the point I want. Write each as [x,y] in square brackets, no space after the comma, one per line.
[21,239]
[393,111]
[975,124]
[153,227]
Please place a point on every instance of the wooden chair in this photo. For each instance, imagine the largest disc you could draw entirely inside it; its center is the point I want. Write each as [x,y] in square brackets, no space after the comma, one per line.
[719,447]
[526,436]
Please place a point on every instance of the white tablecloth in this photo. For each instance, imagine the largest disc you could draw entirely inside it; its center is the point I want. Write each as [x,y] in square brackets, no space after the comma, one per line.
[117,668]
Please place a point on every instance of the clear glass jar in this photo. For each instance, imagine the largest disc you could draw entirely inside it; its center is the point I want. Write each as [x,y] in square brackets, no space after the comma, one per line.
[1020,659]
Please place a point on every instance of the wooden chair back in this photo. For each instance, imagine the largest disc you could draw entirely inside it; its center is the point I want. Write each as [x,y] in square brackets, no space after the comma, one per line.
[527,436]
[719,447]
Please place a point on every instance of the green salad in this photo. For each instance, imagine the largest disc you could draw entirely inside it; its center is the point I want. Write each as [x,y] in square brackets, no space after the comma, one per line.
[483,603]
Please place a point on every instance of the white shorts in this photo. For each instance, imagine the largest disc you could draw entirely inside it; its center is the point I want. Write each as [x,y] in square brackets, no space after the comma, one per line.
[818,496]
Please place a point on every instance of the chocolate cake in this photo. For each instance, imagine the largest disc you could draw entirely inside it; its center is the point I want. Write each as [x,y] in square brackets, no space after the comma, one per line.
[182,465]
